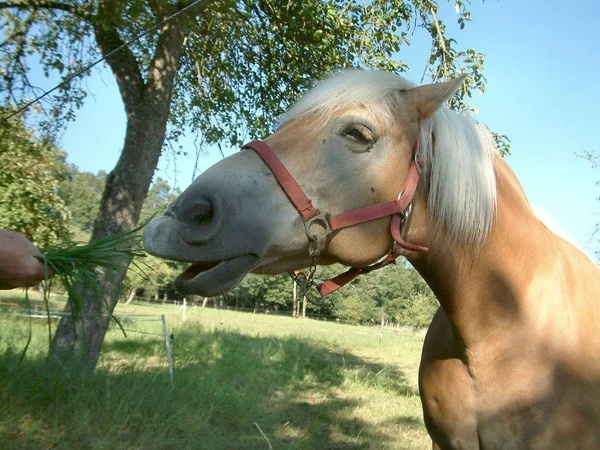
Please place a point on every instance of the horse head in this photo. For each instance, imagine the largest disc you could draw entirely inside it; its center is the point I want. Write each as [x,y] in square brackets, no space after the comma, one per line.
[348,144]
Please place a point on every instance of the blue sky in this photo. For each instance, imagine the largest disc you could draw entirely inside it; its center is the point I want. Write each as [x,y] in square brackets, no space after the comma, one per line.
[542,69]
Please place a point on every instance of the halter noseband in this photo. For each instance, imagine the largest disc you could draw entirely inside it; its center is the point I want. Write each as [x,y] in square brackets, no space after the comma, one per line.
[399,209]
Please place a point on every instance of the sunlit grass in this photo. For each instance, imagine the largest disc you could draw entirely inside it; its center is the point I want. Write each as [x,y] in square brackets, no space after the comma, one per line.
[307,384]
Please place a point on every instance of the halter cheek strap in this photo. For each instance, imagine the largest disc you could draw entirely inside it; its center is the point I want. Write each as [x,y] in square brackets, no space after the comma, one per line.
[398,222]
[398,209]
[285,179]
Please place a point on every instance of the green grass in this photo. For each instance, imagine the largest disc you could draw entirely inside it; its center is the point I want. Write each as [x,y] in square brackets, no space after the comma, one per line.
[307,384]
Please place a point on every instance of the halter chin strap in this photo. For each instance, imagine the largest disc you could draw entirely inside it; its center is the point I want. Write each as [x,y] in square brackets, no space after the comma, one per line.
[313,217]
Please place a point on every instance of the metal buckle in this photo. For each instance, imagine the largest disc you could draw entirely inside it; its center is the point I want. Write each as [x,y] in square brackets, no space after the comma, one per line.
[322,220]
[419,162]
[407,211]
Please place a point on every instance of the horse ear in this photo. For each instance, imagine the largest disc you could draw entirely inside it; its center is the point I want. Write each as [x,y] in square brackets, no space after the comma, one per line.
[428,98]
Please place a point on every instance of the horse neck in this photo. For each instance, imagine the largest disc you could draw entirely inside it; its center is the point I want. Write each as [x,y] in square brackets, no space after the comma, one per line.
[483,289]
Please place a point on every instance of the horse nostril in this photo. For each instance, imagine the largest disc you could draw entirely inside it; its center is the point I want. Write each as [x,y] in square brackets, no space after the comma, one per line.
[203,214]
[200,221]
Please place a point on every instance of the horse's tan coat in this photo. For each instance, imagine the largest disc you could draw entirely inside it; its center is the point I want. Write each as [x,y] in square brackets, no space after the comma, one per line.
[512,360]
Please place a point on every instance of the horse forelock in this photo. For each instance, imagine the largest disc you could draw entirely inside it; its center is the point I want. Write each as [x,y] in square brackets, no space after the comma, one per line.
[370,89]
[459,162]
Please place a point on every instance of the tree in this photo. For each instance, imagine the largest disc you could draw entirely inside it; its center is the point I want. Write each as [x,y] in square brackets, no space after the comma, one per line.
[355,310]
[157,201]
[397,292]
[257,291]
[30,171]
[593,158]
[81,192]
[223,67]
[419,310]
[151,276]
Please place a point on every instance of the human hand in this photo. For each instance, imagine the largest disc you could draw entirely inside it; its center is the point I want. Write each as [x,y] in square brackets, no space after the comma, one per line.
[19,266]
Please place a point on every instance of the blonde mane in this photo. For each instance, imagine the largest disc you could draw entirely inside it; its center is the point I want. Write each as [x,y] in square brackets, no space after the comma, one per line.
[458,153]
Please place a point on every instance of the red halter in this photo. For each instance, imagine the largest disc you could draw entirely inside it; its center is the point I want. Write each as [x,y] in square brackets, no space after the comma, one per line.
[399,210]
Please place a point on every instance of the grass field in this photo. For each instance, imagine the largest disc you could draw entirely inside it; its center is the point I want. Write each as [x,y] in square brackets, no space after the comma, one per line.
[305,384]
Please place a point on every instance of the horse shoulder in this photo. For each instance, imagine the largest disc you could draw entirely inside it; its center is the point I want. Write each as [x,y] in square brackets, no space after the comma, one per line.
[544,387]
[446,388]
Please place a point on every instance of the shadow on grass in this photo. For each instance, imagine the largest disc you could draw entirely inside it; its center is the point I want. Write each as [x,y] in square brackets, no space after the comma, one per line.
[227,385]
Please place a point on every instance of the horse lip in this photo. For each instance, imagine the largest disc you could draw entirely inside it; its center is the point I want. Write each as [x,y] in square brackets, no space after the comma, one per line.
[196,269]
[212,278]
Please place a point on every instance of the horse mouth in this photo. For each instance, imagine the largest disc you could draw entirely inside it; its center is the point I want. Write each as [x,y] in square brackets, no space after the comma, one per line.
[211,278]
[196,269]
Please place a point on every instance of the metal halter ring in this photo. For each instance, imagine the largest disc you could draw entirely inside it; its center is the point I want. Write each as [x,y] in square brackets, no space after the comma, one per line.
[322,220]
[407,211]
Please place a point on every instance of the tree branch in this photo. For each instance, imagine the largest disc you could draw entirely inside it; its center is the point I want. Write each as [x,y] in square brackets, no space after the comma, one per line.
[442,42]
[165,63]
[181,4]
[83,12]
[169,48]
[160,8]
[123,63]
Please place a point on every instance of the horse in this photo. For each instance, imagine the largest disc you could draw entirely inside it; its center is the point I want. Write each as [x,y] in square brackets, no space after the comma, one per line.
[367,167]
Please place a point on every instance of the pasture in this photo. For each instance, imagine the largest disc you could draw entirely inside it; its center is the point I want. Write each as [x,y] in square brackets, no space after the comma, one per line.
[306,384]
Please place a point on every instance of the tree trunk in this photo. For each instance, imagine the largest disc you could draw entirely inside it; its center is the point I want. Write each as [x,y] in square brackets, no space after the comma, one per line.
[124,194]
[131,296]
[295,300]
[147,104]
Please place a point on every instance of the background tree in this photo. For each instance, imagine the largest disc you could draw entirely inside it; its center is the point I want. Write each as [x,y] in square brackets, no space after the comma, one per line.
[160,195]
[593,157]
[392,291]
[355,310]
[397,292]
[256,291]
[418,310]
[225,68]
[82,191]
[30,172]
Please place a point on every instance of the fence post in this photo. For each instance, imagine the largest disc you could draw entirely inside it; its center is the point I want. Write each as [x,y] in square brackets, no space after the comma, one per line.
[168,348]
[184,307]
[381,332]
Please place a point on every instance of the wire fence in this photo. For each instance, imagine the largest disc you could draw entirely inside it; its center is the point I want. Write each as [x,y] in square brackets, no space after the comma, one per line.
[182,311]
[143,317]
[215,303]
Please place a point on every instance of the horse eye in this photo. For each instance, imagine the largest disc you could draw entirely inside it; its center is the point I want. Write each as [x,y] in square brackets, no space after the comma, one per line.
[359,133]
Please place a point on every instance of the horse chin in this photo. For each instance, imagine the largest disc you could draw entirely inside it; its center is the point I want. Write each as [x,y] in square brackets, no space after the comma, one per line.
[279,266]
[215,278]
